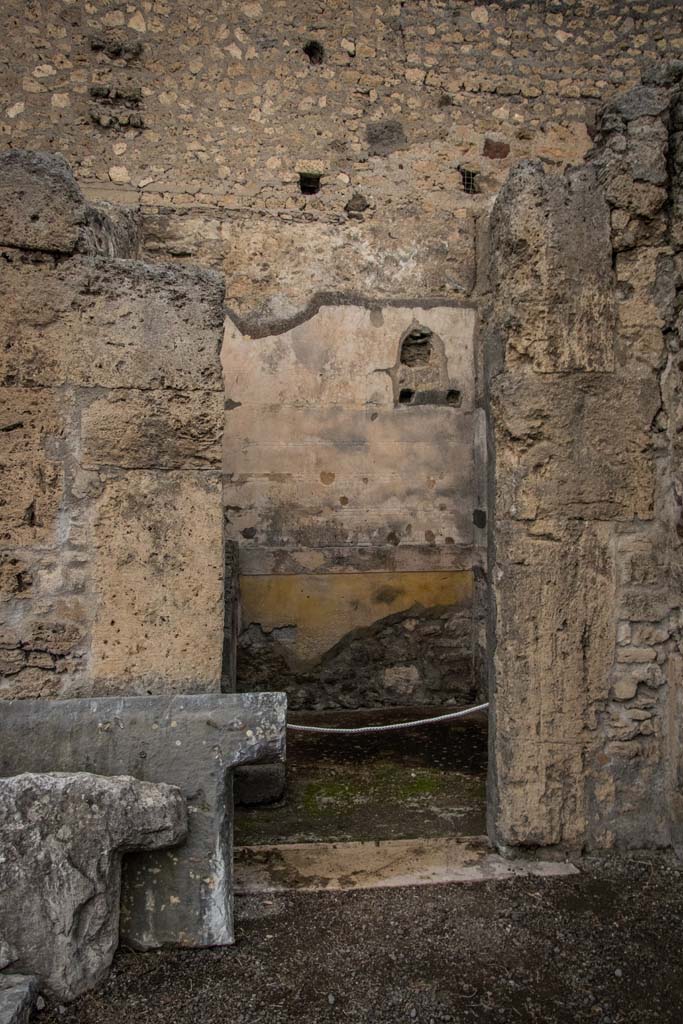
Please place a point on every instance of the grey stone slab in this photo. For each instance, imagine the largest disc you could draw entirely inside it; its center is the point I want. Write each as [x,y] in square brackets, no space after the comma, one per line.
[177,897]
[18,994]
[41,206]
[62,837]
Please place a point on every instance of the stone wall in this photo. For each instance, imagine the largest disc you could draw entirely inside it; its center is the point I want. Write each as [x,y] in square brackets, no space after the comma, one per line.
[111,419]
[204,117]
[583,337]
[349,486]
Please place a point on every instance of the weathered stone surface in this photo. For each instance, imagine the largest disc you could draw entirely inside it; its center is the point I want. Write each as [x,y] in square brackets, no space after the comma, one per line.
[18,994]
[31,450]
[7,954]
[551,270]
[182,897]
[421,88]
[157,567]
[642,101]
[349,465]
[95,322]
[585,550]
[62,837]
[39,651]
[110,441]
[316,257]
[153,430]
[385,137]
[554,600]
[41,206]
[574,446]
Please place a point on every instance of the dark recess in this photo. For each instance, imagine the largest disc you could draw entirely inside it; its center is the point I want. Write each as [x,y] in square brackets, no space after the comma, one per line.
[416,348]
[469,181]
[315,51]
[309,184]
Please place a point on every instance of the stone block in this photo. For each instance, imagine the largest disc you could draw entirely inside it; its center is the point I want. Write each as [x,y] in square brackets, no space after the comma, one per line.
[42,209]
[18,995]
[641,101]
[157,568]
[62,837]
[32,427]
[647,143]
[574,446]
[41,206]
[181,897]
[134,429]
[551,270]
[96,322]
[554,612]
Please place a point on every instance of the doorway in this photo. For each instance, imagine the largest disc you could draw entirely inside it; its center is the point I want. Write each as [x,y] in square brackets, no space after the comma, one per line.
[353,493]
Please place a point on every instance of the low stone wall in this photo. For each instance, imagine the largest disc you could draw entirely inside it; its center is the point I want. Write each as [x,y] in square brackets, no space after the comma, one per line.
[111,547]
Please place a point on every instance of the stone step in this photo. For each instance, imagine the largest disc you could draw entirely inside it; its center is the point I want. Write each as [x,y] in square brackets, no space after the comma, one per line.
[316,867]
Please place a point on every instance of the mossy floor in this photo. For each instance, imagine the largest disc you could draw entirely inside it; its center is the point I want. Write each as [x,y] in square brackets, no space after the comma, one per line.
[418,783]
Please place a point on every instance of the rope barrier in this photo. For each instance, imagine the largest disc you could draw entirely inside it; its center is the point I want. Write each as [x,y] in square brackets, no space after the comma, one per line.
[388,728]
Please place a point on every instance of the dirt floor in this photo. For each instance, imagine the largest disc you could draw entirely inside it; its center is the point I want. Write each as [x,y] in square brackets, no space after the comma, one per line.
[602,947]
[417,783]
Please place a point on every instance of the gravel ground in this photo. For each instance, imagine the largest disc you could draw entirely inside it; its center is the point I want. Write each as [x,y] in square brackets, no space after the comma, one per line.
[602,947]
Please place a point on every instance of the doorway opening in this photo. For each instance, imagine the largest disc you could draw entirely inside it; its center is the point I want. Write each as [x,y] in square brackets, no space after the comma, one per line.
[356,515]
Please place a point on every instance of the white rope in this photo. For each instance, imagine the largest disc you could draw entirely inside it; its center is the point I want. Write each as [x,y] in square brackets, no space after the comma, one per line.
[395,725]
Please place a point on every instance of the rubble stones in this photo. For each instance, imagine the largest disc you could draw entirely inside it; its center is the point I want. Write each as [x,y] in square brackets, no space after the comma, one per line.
[222,166]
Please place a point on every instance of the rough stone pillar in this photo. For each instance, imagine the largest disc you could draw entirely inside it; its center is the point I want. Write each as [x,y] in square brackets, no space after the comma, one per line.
[111,421]
[584,402]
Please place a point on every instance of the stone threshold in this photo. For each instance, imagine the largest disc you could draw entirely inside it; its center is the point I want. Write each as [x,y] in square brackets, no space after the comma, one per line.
[325,867]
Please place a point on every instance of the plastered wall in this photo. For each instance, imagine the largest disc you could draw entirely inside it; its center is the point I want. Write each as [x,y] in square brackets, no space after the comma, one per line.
[350,489]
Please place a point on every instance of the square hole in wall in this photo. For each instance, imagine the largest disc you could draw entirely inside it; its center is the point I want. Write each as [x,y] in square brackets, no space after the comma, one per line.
[469,181]
[309,183]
